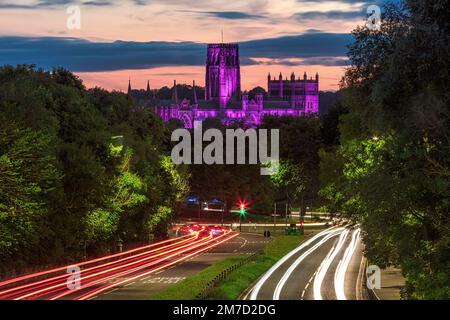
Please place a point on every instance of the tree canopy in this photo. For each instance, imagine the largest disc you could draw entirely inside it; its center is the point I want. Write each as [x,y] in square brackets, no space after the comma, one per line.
[391,171]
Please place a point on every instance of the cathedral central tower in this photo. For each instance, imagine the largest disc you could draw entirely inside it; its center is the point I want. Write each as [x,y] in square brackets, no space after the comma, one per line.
[223,73]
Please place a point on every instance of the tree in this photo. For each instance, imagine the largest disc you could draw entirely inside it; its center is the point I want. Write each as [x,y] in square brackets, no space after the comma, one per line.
[392,174]
[67,187]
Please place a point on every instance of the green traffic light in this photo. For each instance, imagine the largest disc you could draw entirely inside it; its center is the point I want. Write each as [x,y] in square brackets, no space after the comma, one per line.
[242,210]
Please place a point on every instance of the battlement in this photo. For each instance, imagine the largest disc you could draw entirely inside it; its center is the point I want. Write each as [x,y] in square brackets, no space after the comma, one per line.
[223,45]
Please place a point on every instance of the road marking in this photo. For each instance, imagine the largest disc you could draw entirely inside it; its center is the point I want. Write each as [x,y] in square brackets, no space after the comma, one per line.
[165,280]
[129,284]
[243,245]
[307,285]
[109,292]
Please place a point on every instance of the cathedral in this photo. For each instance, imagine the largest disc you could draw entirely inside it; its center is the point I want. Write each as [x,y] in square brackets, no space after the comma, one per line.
[224,99]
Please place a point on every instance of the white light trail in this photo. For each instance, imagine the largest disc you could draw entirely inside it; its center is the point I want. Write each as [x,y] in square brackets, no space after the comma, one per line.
[282,282]
[339,276]
[325,265]
[260,283]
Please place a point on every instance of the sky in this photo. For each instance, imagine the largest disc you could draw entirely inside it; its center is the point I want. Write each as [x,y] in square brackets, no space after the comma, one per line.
[165,40]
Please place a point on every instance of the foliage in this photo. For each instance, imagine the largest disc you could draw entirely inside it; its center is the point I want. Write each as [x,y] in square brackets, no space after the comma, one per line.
[391,172]
[79,169]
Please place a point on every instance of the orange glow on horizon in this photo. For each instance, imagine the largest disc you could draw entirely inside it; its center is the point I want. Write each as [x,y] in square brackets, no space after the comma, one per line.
[251,76]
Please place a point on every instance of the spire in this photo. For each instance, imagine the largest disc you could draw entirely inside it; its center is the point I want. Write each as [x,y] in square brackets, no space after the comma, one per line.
[194,93]
[304,76]
[292,76]
[129,86]
[317,76]
[148,86]
[281,76]
[174,93]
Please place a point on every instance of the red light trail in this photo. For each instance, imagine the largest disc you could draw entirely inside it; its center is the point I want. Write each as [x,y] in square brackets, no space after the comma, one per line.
[103,273]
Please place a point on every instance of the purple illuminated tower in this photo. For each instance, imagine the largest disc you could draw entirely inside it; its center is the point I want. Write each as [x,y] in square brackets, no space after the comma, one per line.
[223,73]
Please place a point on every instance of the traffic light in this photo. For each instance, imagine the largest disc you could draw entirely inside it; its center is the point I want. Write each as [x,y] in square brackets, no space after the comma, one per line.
[242,209]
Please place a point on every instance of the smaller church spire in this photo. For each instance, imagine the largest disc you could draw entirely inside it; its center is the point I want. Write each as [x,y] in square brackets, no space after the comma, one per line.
[148,86]
[194,93]
[174,93]
[129,86]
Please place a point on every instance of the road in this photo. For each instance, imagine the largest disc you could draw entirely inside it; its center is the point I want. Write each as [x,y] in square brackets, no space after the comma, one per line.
[146,287]
[328,266]
[134,274]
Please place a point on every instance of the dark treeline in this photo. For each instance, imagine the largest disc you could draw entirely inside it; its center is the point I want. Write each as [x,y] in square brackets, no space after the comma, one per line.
[297,180]
[80,170]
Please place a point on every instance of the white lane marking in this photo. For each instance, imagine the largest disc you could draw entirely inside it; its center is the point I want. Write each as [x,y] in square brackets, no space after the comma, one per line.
[111,291]
[326,263]
[284,279]
[339,276]
[307,285]
[359,295]
[280,262]
[129,284]
[143,279]
[243,245]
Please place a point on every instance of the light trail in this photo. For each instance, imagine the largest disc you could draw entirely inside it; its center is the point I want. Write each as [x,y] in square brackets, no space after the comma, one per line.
[38,274]
[293,266]
[63,285]
[268,274]
[339,276]
[21,289]
[136,269]
[102,289]
[325,265]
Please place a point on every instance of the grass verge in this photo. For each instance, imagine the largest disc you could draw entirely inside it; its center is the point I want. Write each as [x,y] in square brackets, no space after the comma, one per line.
[190,287]
[243,277]
[237,281]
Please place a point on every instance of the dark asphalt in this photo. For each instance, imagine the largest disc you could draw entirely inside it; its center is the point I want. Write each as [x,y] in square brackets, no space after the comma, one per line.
[146,287]
[300,283]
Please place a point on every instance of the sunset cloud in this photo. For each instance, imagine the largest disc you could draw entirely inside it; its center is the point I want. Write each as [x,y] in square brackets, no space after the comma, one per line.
[170,35]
